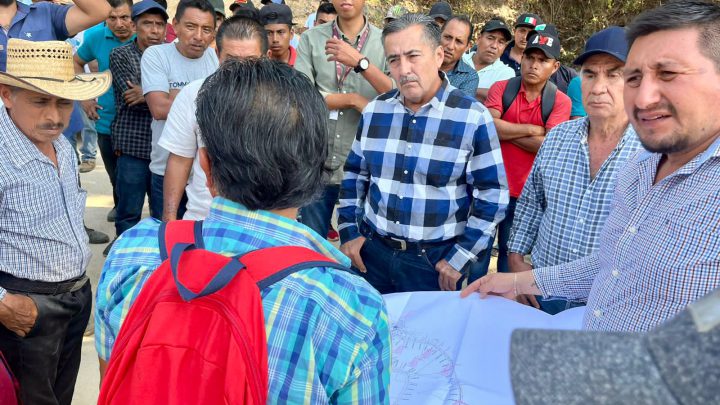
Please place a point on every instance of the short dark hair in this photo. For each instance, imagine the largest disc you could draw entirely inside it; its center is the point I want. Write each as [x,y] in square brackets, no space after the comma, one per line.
[202,5]
[703,16]
[242,28]
[463,19]
[431,31]
[119,3]
[326,8]
[267,149]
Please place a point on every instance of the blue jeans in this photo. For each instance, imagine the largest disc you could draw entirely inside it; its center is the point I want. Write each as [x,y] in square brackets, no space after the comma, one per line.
[156,198]
[88,149]
[480,268]
[555,305]
[109,159]
[392,271]
[132,184]
[318,214]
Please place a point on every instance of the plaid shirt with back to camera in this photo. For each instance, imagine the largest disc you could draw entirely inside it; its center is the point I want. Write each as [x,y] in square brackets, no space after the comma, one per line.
[659,248]
[327,330]
[131,133]
[430,176]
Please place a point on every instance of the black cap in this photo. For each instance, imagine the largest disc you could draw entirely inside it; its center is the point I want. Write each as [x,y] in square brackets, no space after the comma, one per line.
[247,4]
[441,9]
[549,29]
[276,14]
[497,25]
[550,45]
[529,20]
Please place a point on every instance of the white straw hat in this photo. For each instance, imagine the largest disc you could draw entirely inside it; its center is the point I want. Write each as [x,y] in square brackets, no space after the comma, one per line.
[47,67]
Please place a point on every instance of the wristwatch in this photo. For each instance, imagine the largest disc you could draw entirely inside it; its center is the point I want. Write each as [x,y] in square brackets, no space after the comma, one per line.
[362,65]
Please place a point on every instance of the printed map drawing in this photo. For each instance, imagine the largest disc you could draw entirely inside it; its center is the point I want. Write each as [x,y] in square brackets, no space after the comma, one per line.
[448,350]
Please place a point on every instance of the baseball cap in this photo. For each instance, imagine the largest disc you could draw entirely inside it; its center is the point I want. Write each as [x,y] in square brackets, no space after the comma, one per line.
[497,25]
[218,6]
[611,41]
[276,14]
[675,363]
[146,5]
[247,4]
[441,9]
[550,45]
[395,12]
[547,29]
[528,20]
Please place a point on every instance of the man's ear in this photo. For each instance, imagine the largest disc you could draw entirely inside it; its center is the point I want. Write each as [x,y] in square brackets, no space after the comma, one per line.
[207,168]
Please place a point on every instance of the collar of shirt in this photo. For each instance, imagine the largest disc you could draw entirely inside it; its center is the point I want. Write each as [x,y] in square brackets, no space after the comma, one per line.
[584,133]
[293,55]
[224,212]
[344,37]
[20,149]
[713,151]
[436,102]
[22,11]
[462,67]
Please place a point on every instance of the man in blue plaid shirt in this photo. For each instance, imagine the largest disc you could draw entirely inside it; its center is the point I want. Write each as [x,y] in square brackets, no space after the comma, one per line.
[424,184]
[566,199]
[659,248]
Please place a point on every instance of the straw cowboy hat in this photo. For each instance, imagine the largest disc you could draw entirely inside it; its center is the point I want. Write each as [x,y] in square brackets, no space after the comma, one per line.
[47,67]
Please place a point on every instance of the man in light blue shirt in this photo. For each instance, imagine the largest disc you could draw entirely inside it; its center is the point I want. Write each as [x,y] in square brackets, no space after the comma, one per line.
[659,248]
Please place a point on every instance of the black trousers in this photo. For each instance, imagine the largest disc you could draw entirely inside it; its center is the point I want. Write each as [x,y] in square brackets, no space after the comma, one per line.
[47,360]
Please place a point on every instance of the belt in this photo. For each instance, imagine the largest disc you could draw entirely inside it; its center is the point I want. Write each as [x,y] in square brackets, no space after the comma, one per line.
[12,283]
[402,244]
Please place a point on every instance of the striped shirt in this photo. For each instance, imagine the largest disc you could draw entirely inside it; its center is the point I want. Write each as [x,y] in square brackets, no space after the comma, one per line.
[432,175]
[659,248]
[561,210]
[42,236]
[327,330]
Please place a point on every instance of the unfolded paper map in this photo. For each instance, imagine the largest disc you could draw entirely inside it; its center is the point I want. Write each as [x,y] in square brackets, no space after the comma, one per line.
[448,350]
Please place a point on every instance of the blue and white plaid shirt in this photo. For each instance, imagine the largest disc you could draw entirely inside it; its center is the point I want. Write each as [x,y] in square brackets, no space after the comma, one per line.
[429,176]
[42,236]
[659,248]
[562,210]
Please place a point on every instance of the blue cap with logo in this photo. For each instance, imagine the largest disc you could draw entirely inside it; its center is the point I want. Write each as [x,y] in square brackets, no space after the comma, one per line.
[146,5]
[611,41]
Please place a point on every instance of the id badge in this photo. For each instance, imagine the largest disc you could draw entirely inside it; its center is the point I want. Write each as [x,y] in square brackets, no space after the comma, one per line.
[334,115]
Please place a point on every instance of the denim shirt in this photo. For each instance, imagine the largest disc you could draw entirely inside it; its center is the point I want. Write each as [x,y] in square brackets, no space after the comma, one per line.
[42,21]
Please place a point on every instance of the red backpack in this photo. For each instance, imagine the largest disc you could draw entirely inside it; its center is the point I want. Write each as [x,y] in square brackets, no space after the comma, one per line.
[178,346]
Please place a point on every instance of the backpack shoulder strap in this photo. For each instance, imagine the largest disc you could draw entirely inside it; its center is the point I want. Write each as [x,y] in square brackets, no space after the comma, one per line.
[547,102]
[174,232]
[270,265]
[510,94]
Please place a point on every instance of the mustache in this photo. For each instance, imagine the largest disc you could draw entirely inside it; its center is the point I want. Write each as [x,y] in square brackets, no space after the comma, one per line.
[408,79]
[657,107]
[51,126]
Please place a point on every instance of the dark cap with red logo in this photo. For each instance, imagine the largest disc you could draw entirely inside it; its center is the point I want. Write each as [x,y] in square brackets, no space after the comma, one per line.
[548,44]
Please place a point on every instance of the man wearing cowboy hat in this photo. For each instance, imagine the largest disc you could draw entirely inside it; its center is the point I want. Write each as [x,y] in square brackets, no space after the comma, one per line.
[45,296]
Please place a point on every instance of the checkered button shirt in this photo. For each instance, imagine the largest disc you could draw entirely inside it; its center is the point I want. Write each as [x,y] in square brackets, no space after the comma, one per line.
[432,175]
[131,133]
[562,209]
[42,236]
[659,248]
[327,331]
